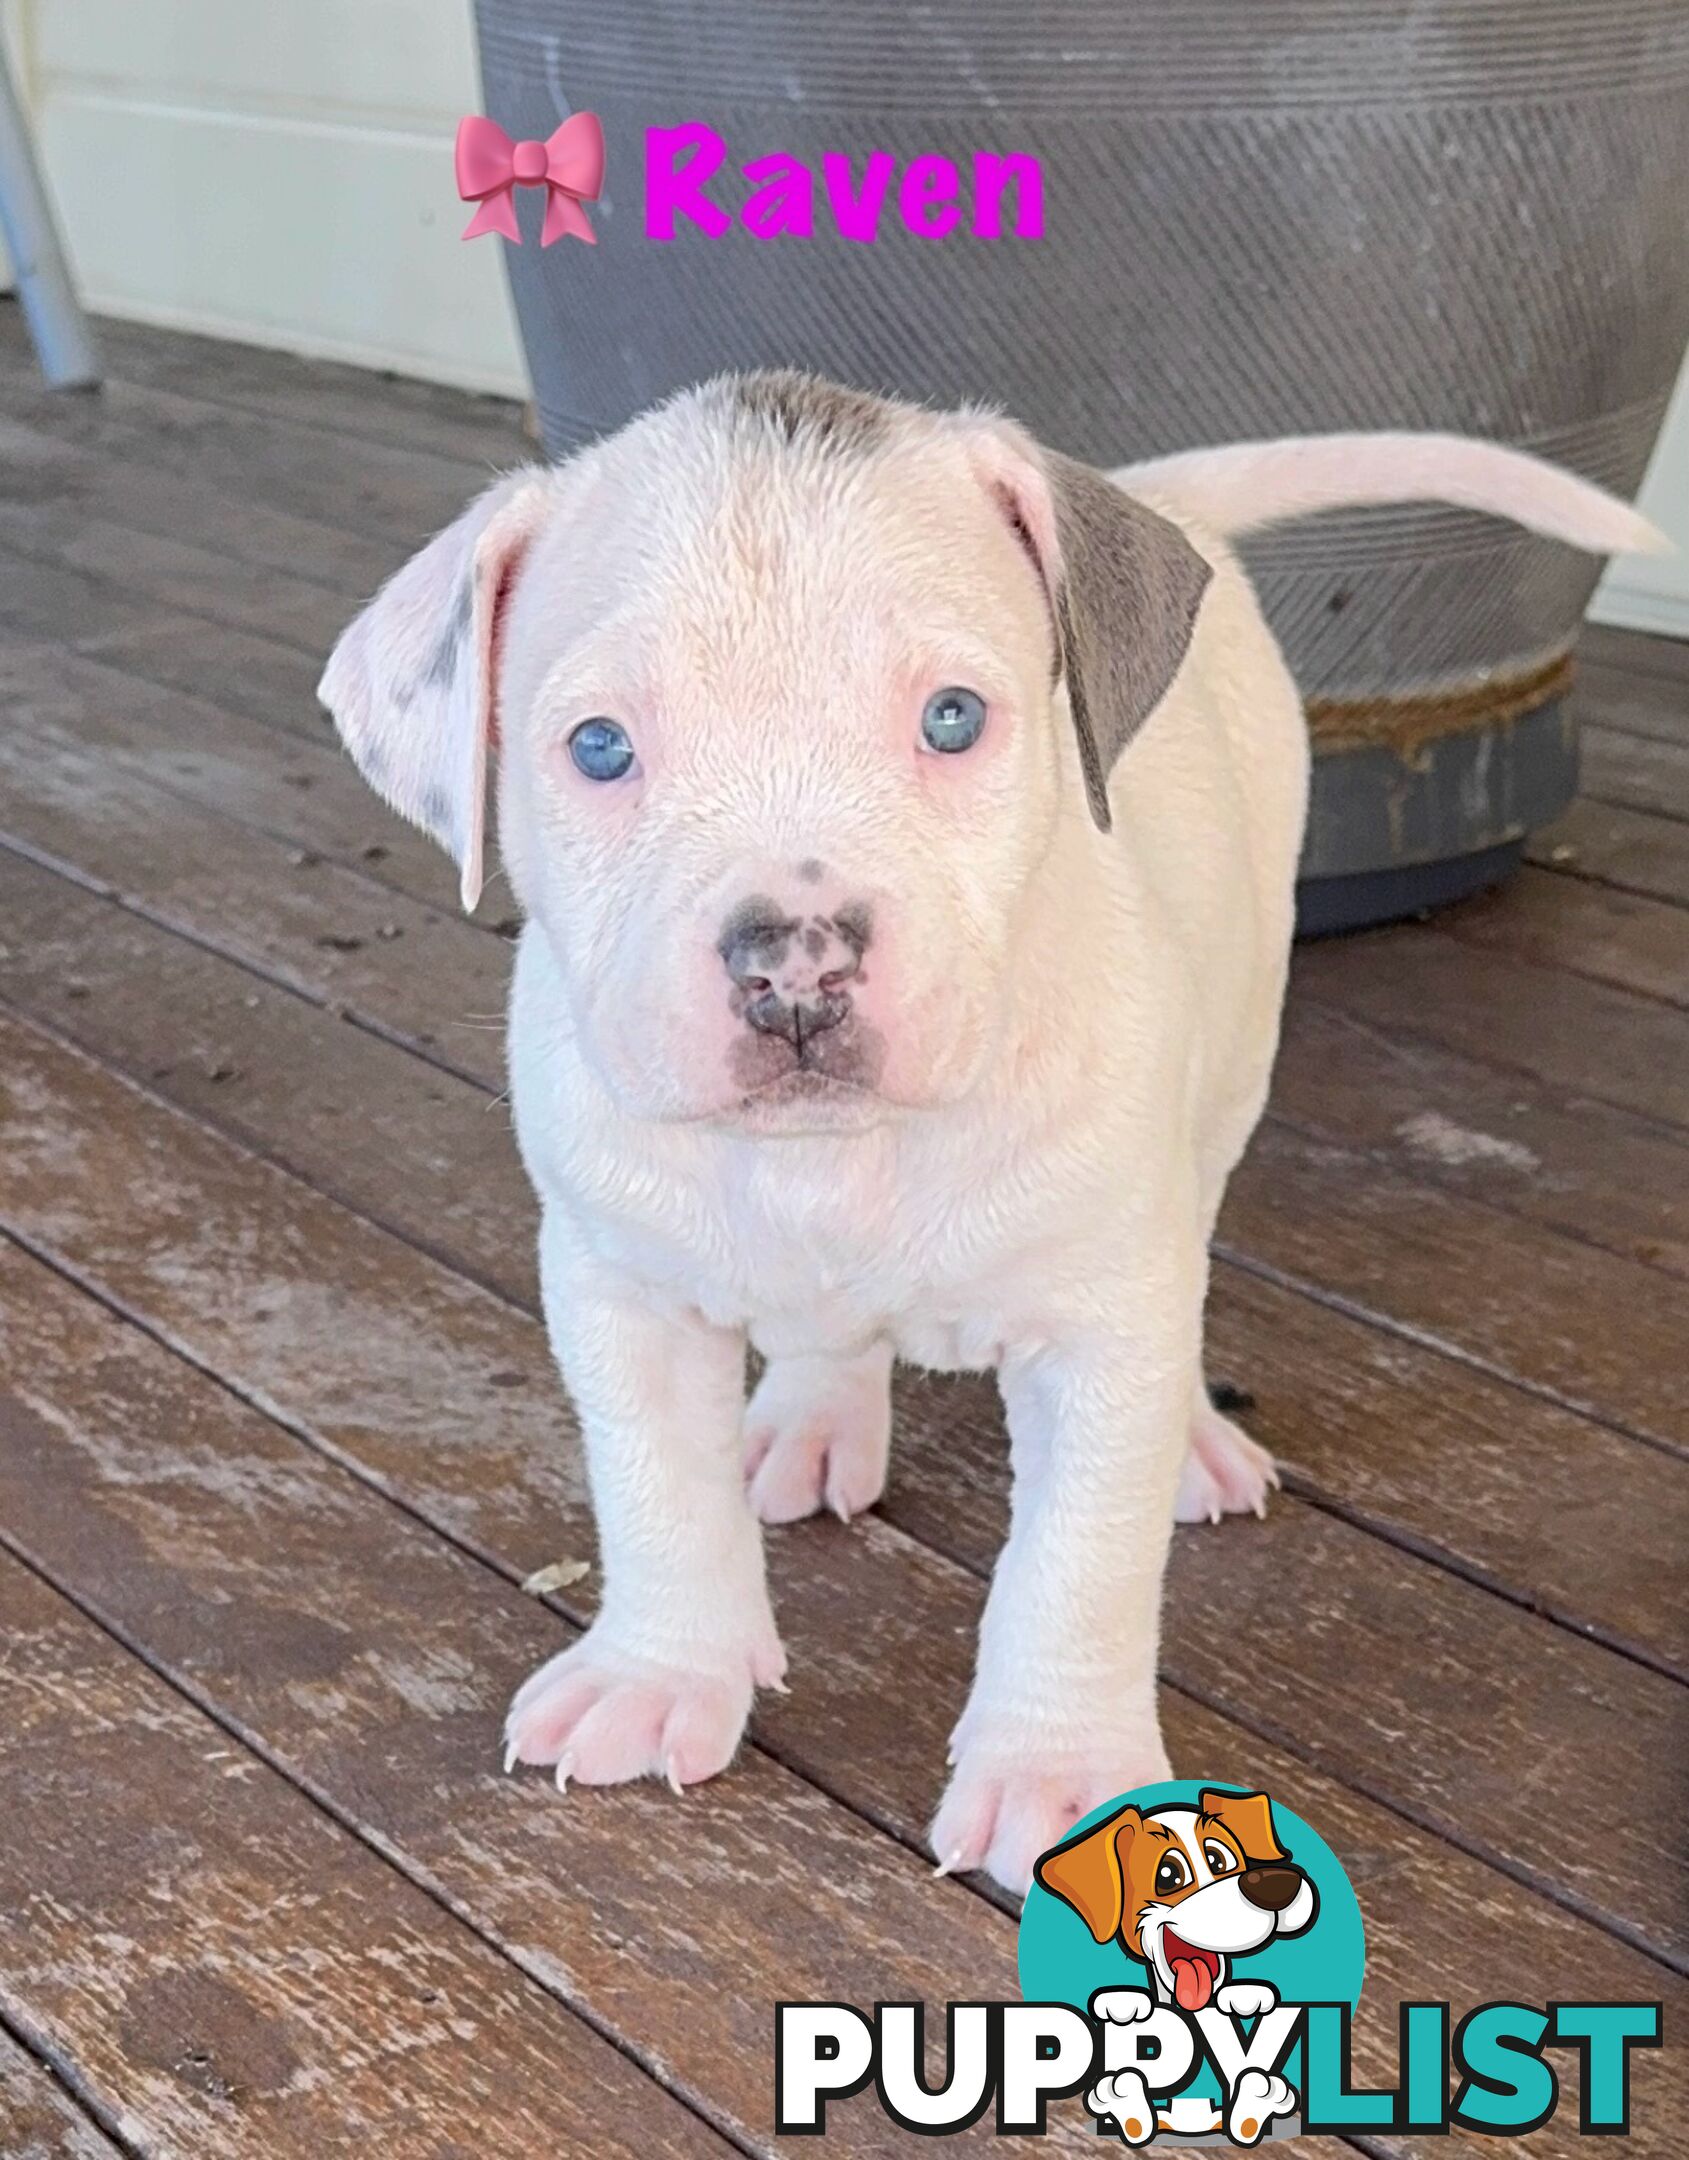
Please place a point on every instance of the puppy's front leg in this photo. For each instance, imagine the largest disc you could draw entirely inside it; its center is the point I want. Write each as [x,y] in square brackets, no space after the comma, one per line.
[1063,1710]
[661,1683]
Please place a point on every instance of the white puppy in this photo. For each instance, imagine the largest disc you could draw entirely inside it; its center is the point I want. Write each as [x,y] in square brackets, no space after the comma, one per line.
[905,820]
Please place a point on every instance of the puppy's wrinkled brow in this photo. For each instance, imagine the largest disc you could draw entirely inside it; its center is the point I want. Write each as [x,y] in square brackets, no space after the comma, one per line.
[798,405]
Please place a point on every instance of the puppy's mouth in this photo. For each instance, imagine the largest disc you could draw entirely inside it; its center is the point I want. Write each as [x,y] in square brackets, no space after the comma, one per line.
[802,1101]
[1196,1972]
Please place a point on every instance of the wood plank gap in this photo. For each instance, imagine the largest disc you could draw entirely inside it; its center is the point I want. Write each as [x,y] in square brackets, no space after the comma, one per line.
[1293,1481]
[1668,1128]
[1624,802]
[470,1548]
[1672,1135]
[889,1536]
[104,582]
[324,1802]
[1444,1828]
[1604,878]
[371,1024]
[1438,1346]
[70,2091]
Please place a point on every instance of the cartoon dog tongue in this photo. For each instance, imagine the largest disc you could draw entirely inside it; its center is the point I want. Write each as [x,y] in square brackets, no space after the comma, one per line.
[1193,1982]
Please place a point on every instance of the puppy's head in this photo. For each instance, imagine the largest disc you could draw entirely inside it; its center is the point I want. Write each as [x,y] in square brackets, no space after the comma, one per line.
[790,690]
[1185,1889]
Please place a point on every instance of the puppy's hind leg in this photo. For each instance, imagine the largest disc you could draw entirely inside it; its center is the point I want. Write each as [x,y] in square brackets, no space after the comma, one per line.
[818,1434]
[1225,1472]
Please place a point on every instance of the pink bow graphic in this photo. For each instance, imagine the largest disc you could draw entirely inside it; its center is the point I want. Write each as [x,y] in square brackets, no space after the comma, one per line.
[569,165]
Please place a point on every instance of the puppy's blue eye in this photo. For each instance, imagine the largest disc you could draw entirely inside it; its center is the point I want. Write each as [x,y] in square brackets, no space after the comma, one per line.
[601,749]
[953,719]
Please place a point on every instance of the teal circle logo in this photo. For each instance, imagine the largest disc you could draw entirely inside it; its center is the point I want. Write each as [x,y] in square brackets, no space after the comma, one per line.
[1191,1909]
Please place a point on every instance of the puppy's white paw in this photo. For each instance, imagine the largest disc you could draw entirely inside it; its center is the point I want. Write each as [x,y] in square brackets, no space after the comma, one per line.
[1225,1473]
[1246,1998]
[604,1716]
[1259,2097]
[1006,1806]
[1125,2096]
[818,1435]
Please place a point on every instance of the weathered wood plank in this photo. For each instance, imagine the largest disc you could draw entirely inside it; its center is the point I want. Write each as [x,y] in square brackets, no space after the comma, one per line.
[52,487]
[411,1149]
[398,1140]
[479,431]
[1631,849]
[1636,651]
[373,1661]
[140,1495]
[1578,1037]
[303,919]
[395,496]
[234,671]
[98,725]
[46,601]
[1593,1330]
[1450,1463]
[1610,937]
[1641,771]
[391,1362]
[301,1995]
[1599,1174]
[38,2118]
[143,569]
[1633,699]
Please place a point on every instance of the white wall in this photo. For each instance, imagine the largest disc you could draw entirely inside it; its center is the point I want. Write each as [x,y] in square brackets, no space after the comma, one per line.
[275,170]
[1651,592]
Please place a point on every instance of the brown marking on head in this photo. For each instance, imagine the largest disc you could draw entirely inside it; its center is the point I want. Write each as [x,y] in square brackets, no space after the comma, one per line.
[805,408]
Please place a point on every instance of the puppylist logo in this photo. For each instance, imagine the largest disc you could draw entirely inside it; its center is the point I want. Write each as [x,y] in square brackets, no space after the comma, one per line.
[1191,1957]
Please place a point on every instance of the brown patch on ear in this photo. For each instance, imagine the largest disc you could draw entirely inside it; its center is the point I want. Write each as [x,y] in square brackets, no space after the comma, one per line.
[1129,586]
[1089,1872]
[1123,585]
[1249,1818]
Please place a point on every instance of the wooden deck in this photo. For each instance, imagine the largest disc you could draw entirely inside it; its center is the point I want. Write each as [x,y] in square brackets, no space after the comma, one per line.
[279,1440]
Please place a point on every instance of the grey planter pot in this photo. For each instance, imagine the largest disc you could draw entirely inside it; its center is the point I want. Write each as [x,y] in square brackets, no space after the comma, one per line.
[1282,217]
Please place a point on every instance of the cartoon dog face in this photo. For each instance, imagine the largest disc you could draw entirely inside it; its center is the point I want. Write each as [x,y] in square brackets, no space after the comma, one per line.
[1184,1889]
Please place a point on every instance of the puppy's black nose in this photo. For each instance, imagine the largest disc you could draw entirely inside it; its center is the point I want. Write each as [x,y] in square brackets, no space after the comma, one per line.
[791,973]
[1272,1888]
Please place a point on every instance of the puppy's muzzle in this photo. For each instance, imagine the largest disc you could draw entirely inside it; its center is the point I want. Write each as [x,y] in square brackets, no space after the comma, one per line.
[792,974]
[1272,1888]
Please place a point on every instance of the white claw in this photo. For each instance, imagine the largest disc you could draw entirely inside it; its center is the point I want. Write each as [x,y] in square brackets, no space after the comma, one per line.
[673,1777]
[564,1770]
[950,1864]
[511,1758]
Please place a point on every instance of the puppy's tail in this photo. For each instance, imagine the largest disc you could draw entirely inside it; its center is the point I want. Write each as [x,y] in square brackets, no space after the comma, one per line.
[1241,487]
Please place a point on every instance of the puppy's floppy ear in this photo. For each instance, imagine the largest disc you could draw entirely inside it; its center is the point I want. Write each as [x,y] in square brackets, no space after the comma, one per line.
[1123,583]
[1089,1872]
[1249,1818]
[412,684]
